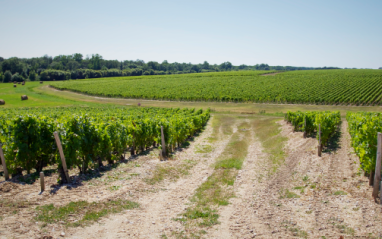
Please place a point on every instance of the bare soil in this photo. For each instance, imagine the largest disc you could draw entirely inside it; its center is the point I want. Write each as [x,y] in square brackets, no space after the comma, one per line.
[265,209]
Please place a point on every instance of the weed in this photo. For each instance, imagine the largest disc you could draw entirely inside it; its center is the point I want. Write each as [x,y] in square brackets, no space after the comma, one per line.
[114,188]
[288,194]
[305,178]
[340,193]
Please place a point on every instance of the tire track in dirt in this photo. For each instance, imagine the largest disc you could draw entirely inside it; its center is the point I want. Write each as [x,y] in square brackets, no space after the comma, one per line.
[154,218]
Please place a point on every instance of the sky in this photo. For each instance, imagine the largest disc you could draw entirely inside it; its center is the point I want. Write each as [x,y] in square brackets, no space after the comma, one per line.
[341,33]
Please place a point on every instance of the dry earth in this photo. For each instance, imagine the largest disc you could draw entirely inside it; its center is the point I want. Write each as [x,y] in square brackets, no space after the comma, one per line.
[308,196]
[303,199]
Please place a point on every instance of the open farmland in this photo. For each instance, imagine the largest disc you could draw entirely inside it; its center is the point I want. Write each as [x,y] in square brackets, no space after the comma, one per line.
[345,87]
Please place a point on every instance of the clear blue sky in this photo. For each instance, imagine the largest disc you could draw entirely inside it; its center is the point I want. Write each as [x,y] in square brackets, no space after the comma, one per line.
[343,33]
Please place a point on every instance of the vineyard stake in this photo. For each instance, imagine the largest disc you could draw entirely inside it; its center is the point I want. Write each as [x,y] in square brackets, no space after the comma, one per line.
[132,150]
[304,127]
[380,195]
[163,143]
[377,175]
[42,181]
[6,175]
[58,142]
[319,140]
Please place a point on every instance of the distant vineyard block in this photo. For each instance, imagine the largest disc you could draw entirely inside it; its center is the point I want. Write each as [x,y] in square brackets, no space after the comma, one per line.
[24,97]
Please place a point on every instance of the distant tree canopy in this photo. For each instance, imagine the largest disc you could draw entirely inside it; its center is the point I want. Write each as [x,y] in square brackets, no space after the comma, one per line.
[75,66]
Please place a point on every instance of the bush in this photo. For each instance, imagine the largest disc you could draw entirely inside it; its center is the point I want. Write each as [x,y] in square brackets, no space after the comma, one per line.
[7,77]
[32,76]
[17,77]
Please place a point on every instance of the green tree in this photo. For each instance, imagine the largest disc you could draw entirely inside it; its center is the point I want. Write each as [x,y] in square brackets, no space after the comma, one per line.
[32,76]
[77,57]
[17,77]
[206,65]
[7,77]
[13,65]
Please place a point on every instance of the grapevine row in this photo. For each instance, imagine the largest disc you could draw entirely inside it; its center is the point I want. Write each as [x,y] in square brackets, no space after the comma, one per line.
[363,129]
[90,135]
[309,122]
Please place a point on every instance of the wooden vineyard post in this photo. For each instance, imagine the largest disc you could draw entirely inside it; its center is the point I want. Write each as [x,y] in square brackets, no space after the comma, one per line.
[304,127]
[377,175]
[42,181]
[58,142]
[6,175]
[319,141]
[163,153]
[132,150]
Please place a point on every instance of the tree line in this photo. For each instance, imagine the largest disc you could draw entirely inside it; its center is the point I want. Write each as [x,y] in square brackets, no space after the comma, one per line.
[76,66]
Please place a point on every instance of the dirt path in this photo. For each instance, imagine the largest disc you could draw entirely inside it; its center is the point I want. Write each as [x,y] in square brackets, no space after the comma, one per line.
[237,219]
[154,218]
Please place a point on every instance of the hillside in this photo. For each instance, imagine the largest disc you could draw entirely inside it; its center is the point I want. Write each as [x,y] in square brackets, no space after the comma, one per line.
[346,87]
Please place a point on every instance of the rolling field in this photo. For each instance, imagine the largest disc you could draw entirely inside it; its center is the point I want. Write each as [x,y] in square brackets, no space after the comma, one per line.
[324,87]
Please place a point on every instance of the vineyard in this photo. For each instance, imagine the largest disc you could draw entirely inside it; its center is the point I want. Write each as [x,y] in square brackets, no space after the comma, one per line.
[90,136]
[323,87]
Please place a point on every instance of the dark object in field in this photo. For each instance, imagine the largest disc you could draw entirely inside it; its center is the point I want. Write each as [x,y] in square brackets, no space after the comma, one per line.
[2,102]
[23,83]
[14,85]
[24,97]
[139,104]
[41,82]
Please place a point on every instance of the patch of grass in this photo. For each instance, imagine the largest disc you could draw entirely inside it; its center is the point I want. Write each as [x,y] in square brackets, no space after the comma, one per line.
[340,193]
[164,171]
[289,194]
[81,213]
[12,206]
[298,232]
[305,178]
[206,216]
[221,125]
[299,187]
[268,132]
[114,188]
[203,149]
[229,164]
